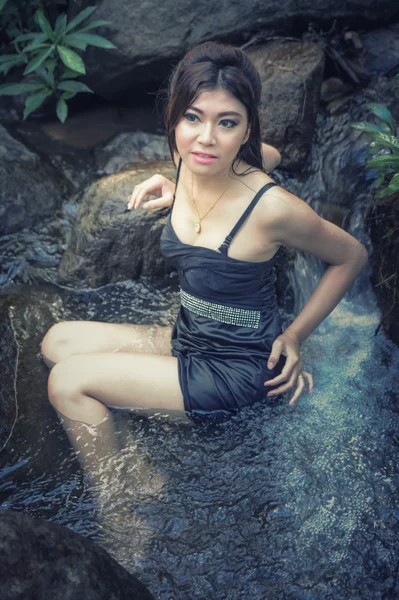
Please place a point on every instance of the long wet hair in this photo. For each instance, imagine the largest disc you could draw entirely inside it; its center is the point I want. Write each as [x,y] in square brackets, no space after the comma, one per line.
[210,66]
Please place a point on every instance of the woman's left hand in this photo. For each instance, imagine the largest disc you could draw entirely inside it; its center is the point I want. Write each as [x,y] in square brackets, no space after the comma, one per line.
[289,345]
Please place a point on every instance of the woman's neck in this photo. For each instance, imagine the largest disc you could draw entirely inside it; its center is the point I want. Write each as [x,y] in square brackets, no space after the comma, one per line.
[207,188]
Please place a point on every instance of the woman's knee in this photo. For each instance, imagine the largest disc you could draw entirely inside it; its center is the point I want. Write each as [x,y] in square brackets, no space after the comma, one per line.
[54,346]
[62,385]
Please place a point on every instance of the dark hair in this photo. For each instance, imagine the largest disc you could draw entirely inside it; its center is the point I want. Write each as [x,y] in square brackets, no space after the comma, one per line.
[209,66]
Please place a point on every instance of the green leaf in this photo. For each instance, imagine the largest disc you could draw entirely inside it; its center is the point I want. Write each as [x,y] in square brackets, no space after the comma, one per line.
[62,110]
[60,26]
[376,146]
[383,161]
[393,184]
[379,181]
[388,233]
[12,89]
[2,4]
[383,113]
[25,37]
[44,25]
[371,127]
[90,39]
[389,141]
[70,41]
[68,95]
[73,86]
[388,191]
[82,16]
[38,60]
[51,64]
[71,59]
[46,75]
[69,74]
[12,61]
[33,102]
[8,57]
[39,41]
[93,25]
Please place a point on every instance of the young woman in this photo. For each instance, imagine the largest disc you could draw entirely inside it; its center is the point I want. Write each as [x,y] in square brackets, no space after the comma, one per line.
[229,218]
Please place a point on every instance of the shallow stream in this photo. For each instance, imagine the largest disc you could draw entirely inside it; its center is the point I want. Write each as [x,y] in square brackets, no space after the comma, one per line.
[277,502]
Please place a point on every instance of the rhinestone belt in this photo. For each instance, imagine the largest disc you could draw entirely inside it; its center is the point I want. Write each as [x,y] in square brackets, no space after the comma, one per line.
[219,312]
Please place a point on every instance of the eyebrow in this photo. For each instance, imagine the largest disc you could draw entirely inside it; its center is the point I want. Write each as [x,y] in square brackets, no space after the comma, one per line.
[221,114]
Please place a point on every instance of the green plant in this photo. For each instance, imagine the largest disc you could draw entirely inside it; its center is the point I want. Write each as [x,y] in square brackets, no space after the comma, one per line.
[383,155]
[51,65]
[384,139]
[17,16]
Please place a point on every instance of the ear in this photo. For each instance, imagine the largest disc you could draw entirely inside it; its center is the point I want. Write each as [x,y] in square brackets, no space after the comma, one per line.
[246,137]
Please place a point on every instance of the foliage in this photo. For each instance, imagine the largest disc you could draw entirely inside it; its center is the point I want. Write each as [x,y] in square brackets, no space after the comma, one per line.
[384,156]
[17,16]
[383,149]
[51,61]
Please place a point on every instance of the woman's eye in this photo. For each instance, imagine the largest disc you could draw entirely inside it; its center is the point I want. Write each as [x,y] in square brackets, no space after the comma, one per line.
[187,115]
[232,123]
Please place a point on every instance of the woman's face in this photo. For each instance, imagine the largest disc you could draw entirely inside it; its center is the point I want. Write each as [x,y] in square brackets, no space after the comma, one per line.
[215,124]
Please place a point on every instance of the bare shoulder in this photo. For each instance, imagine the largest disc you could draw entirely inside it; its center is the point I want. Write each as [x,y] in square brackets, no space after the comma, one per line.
[279,208]
[251,177]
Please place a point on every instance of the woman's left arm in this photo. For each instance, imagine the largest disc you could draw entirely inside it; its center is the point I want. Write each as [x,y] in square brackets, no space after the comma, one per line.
[297,225]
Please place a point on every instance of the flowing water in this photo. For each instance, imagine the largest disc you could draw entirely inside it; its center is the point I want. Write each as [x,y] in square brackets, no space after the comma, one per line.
[278,502]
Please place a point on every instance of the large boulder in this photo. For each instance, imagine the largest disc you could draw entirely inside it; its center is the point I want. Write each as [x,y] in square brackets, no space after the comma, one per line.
[291,75]
[43,560]
[381,47]
[30,189]
[131,148]
[109,244]
[150,35]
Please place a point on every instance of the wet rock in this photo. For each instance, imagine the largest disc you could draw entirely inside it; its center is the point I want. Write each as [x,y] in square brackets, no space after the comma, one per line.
[109,244]
[384,232]
[166,31]
[382,49]
[29,188]
[129,148]
[291,75]
[9,353]
[43,560]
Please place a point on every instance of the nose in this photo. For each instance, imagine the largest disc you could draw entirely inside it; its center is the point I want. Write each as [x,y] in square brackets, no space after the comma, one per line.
[206,134]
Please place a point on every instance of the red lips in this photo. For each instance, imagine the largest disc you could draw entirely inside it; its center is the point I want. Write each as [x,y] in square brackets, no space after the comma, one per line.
[205,154]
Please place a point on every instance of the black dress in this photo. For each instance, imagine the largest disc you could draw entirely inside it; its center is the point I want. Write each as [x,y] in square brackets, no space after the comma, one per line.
[227,322]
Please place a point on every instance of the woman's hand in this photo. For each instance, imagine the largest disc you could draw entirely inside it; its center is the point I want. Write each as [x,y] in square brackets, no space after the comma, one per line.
[158,186]
[288,344]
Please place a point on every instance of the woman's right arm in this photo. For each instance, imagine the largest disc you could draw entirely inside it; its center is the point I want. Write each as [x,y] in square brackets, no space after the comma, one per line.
[158,186]
[271,157]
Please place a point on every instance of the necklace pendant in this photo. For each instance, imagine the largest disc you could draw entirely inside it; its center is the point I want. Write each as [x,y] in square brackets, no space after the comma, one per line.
[197,227]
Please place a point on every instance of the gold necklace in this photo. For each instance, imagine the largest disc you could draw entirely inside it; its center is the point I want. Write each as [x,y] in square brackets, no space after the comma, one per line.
[197,227]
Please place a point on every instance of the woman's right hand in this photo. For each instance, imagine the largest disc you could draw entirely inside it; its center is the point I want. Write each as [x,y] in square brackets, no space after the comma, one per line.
[158,186]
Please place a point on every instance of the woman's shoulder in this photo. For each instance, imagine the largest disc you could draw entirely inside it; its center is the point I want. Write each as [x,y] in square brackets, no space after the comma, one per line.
[251,176]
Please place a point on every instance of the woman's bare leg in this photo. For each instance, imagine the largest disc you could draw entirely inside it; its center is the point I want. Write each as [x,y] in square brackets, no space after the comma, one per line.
[82,386]
[82,354]
[75,337]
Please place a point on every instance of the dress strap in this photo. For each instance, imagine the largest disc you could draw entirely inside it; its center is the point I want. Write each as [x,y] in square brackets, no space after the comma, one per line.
[224,247]
[177,178]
